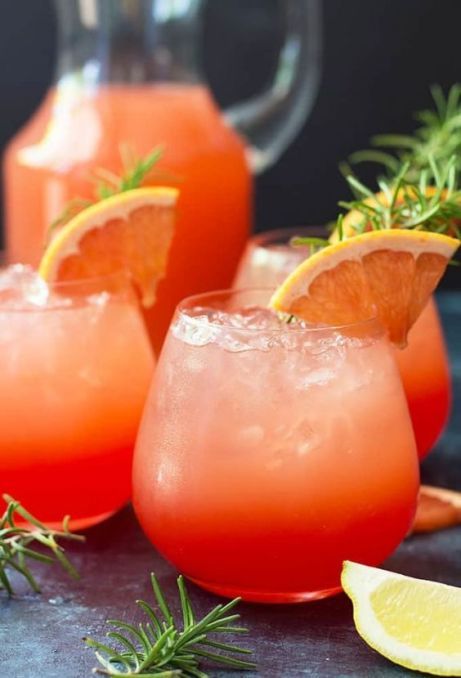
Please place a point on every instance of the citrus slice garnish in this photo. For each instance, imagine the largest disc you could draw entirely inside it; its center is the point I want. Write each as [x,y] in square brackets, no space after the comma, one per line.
[387,273]
[413,622]
[130,231]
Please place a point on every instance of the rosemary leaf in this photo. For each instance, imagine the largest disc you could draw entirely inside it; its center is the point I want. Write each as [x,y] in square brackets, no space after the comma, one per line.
[135,172]
[163,647]
[17,545]
[426,205]
[430,147]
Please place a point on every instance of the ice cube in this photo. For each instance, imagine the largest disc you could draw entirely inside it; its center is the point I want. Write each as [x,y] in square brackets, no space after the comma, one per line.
[316,377]
[195,331]
[20,284]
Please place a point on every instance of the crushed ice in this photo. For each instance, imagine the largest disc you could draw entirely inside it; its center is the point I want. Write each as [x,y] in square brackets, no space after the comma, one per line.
[235,331]
[22,288]
[20,284]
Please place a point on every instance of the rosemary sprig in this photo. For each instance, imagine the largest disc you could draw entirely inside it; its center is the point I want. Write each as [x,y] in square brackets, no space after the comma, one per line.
[433,203]
[438,138]
[160,648]
[16,545]
[316,243]
[135,171]
[72,208]
[428,205]
[313,242]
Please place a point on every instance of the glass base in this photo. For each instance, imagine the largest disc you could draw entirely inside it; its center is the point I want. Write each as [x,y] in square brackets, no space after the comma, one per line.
[267,596]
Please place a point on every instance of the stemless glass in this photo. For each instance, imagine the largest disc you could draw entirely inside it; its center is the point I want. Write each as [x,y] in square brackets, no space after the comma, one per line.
[423,364]
[75,367]
[269,453]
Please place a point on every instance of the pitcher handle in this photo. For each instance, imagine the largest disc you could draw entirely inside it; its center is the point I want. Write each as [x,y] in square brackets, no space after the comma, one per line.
[270,120]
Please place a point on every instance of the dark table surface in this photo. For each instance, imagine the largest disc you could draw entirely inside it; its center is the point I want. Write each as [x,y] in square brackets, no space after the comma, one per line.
[41,635]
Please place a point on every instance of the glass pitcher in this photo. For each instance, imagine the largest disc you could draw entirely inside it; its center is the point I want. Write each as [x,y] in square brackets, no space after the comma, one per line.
[129,74]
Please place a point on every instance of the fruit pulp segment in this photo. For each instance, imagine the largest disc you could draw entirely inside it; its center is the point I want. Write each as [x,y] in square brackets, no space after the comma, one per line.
[287,464]
[438,631]
[72,387]
[50,162]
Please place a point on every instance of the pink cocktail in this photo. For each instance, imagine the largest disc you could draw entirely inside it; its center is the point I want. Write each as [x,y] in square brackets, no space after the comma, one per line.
[75,364]
[270,452]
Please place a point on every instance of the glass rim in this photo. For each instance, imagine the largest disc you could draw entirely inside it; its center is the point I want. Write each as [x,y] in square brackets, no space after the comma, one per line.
[121,273]
[80,288]
[192,301]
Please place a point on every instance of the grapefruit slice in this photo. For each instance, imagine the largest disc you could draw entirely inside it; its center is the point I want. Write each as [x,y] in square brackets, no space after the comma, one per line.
[130,231]
[387,273]
[413,622]
[438,508]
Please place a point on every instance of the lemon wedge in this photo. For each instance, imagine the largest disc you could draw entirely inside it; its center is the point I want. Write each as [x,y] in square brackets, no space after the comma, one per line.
[413,622]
